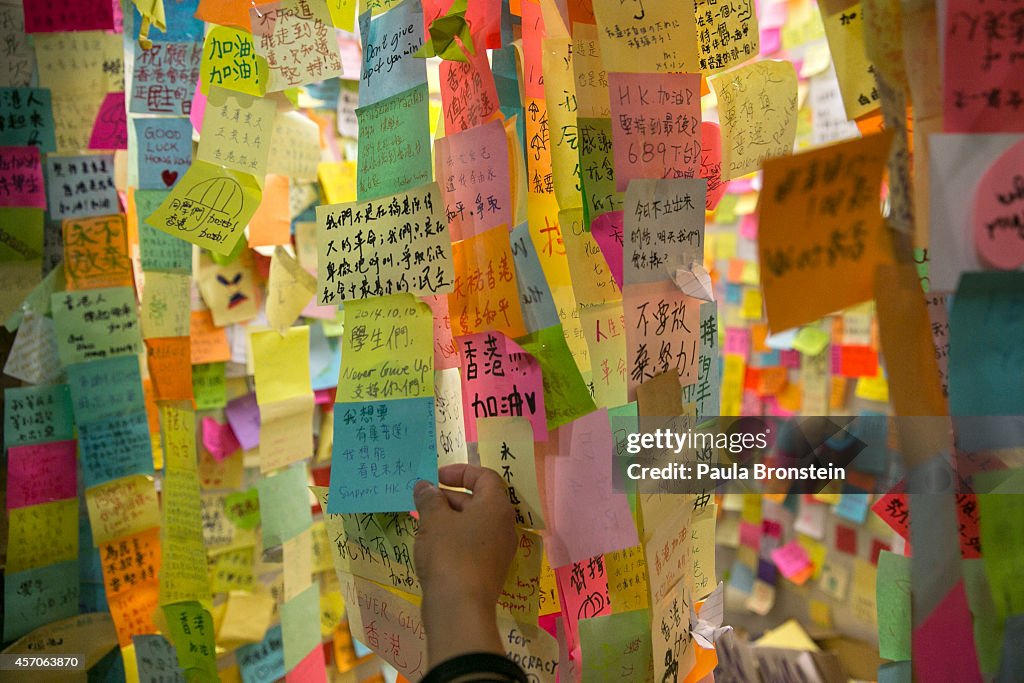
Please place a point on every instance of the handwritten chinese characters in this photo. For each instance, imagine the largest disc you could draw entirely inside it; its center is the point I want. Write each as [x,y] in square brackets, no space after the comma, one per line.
[472,171]
[663,333]
[96,323]
[298,41]
[664,228]
[164,77]
[398,243]
[81,186]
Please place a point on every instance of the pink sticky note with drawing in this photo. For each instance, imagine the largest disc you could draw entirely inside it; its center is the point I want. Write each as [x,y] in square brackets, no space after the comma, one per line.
[499,379]
[582,592]
[219,439]
[999,211]
[110,130]
[943,645]
[41,473]
[791,559]
[607,232]
[21,177]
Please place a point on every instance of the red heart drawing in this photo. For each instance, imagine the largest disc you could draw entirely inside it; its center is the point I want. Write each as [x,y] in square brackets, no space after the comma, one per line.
[169,177]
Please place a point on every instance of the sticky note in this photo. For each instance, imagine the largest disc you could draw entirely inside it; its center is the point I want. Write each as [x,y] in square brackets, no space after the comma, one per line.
[298,43]
[669,47]
[230,61]
[96,324]
[164,150]
[394,139]
[472,171]
[652,253]
[96,252]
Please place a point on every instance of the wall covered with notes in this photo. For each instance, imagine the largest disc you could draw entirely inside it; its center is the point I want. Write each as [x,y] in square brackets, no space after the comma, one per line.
[266,265]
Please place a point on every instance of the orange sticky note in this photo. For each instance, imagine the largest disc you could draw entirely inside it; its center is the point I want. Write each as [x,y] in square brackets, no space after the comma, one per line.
[821,232]
[209,342]
[130,560]
[858,361]
[271,224]
[170,367]
[485,297]
[96,252]
[132,612]
[226,12]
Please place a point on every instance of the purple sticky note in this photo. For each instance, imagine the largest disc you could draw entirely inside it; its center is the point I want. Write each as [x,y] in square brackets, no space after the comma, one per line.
[244,417]
[110,130]
[607,231]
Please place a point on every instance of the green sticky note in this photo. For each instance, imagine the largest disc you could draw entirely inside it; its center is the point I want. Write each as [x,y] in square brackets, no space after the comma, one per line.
[94,324]
[284,499]
[394,144]
[190,629]
[566,396]
[37,414]
[21,234]
[988,627]
[157,249]
[208,386]
[892,595]
[1002,543]
[615,643]
[243,509]
[39,596]
[300,625]
[597,169]
[811,340]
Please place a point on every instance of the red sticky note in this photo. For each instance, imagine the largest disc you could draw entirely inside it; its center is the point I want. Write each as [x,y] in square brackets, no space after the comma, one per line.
[41,473]
[110,130]
[943,645]
[68,15]
[21,177]
[876,548]
[858,361]
[312,668]
[846,539]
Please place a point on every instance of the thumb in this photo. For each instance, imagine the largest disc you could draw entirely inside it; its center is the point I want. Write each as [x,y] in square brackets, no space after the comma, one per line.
[429,499]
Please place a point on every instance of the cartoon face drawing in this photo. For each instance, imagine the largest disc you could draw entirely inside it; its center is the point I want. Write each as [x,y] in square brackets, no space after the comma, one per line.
[236,297]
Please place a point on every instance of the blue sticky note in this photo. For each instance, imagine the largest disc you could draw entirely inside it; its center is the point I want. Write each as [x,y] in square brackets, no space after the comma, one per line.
[389,42]
[157,659]
[27,114]
[284,505]
[263,662]
[164,151]
[115,447]
[985,356]
[108,387]
[1011,668]
[873,430]
[895,672]
[39,596]
[733,293]
[741,577]
[182,25]
[535,298]
[37,414]
[164,77]
[324,359]
[853,504]
[81,186]
[381,449]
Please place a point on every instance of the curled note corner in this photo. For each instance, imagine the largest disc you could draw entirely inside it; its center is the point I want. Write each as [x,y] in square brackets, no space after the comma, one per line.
[695,282]
[707,627]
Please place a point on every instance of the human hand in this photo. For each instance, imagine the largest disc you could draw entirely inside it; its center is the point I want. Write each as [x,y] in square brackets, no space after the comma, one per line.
[463,549]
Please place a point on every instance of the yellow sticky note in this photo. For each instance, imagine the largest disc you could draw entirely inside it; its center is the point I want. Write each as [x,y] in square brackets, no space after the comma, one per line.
[542,215]
[668,41]
[750,308]
[122,507]
[230,61]
[43,534]
[604,329]
[518,598]
[338,181]
[236,132]
[343,15]
[627,579]
[854,71]
[757,106]
[506,446]
[549,603]
[209,207]
[297,553]
[790,636]
[873,388]
[246,618]
[165,305]
[289,290]
[281,364]
[592,279]
[560,92]
[332,611]
[387,350]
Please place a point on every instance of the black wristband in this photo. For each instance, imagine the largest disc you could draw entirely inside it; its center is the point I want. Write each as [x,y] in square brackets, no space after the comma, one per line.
[478,665]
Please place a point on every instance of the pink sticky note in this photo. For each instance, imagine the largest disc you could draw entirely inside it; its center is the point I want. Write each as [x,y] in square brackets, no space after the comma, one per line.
[582,592]
[21,177]
[642,106]
[219,439]
[737,341]
[471,168]
[750,535]
[943,645]
[791,559]
[711,163]
[110,130]
[198,111]
[312,668]
[981,67]
[446,353]
[243,415]
[771,528]
[69,15]
[748,226]
[40,473]
[998,211]
[584,463]
[607,232]
[771,39]
[499,379]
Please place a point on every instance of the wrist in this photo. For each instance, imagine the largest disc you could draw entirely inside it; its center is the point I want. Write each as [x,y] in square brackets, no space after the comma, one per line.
[458,623]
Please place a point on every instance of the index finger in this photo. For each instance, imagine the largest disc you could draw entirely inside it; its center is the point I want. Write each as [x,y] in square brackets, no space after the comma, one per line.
[476,479]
